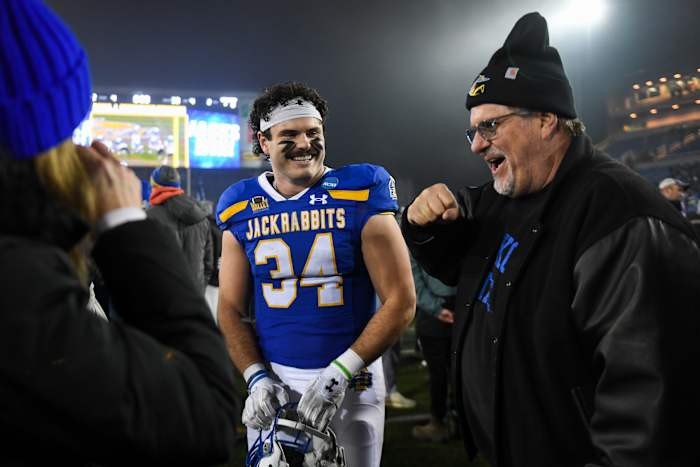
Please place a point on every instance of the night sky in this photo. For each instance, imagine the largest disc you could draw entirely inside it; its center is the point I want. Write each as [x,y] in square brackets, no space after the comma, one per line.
[395,73]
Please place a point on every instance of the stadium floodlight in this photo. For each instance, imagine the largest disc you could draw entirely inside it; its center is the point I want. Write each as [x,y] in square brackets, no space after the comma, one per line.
[209,101]
[113,97]
[580,13]
[175,100]
[192,101]
[94,97]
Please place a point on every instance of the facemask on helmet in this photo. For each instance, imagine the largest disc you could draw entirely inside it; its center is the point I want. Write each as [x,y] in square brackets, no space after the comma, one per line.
[291,443]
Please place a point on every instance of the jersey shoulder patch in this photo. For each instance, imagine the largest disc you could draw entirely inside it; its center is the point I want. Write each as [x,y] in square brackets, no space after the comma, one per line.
[369,184]
[239,201]
[358,182]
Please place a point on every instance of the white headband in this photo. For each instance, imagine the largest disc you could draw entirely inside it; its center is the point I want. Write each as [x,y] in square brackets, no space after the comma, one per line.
[289,111]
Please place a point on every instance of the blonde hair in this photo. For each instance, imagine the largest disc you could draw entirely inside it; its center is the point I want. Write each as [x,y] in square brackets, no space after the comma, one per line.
[64,176]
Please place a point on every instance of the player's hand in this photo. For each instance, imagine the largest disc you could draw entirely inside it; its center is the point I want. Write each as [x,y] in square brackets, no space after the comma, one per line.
[435,203]
[116,186]
[266,396]
[322,398]
[446,316]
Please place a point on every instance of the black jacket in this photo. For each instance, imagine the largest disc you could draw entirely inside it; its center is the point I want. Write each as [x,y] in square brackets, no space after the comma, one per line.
[153,389]
[183,216]
[216,240]
[592,340]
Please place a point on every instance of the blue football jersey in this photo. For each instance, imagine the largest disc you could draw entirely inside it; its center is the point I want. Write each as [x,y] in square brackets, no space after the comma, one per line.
[312,292]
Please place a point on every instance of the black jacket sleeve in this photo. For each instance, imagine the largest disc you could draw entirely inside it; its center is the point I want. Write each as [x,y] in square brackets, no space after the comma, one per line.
[635,306]
[154,389]
[437,248]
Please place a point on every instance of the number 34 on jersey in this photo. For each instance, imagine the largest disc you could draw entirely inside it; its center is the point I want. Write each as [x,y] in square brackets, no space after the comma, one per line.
[320,270]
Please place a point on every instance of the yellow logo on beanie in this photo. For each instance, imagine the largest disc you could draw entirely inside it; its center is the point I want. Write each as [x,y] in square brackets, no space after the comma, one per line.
[479,85]
[477,89]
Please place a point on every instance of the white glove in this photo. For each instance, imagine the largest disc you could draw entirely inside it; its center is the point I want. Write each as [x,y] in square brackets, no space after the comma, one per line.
[265,397]
[322,398]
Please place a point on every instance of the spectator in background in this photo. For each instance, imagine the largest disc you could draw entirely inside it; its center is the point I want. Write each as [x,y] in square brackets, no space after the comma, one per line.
[390,361]
[674,191]
[155,388]
[435,303]
[184,217]
[212,290]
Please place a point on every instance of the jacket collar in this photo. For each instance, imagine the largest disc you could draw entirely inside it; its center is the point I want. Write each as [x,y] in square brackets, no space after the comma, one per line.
[580,150]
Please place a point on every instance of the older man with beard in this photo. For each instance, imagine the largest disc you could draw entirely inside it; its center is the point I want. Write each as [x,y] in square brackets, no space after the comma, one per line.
[574,280]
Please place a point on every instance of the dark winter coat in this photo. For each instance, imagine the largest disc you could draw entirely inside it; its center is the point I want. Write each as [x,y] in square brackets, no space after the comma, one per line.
[155,388]
[183,216]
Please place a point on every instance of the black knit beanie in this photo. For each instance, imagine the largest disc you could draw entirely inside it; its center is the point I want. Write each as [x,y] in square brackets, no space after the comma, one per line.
[526,72]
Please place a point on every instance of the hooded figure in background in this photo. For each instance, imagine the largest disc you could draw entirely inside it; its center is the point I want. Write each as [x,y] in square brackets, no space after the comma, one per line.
[154,388]
[184,217]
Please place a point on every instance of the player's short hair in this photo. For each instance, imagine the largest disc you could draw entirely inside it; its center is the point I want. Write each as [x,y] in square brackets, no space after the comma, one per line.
[277,95]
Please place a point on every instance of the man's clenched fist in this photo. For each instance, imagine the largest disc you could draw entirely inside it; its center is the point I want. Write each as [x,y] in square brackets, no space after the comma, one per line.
[435,203]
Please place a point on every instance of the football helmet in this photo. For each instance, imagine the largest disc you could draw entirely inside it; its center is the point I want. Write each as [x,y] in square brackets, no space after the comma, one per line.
[291,443]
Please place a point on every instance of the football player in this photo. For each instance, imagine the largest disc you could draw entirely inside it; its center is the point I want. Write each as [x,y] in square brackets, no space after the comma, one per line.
[310,245]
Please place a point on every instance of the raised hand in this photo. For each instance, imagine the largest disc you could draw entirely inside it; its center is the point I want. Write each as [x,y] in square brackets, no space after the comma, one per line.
[435,203]
[116,185]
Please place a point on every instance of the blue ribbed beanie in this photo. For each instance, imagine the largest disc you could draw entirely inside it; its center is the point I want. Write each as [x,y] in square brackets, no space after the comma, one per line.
[165,176]
[44,81]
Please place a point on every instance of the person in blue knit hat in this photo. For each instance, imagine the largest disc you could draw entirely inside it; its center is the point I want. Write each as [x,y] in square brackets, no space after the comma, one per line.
[153,388]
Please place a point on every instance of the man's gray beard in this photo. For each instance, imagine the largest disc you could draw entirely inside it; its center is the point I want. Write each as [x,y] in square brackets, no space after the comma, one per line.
[505,187]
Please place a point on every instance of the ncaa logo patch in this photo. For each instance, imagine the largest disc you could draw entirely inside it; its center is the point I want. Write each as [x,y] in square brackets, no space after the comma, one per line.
[313,199]
[330,183]
[259,203]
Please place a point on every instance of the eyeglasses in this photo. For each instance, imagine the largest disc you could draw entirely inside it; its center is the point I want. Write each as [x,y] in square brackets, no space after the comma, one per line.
[487,128]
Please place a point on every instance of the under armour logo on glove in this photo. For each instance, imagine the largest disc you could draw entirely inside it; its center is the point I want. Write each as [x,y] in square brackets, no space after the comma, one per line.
[329,388]
[322,398]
